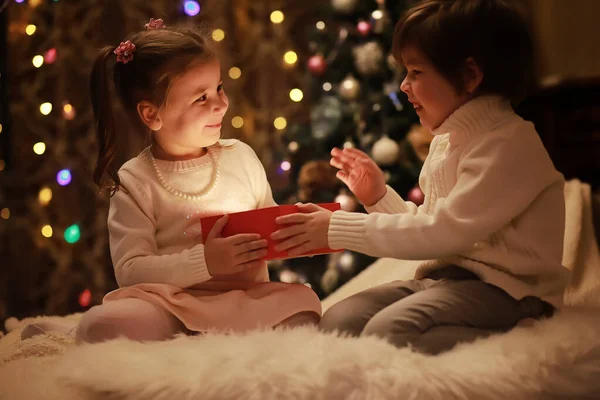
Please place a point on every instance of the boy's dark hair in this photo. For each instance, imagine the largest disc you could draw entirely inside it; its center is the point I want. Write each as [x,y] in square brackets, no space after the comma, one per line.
[160,56]
[492,32]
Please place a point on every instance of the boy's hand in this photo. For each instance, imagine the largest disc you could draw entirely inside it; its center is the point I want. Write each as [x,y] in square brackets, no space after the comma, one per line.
[234,254]
[362,176]
[307,231]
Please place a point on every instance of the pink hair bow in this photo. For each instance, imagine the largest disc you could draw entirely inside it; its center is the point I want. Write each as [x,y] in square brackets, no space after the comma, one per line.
[125,52]
[155,24]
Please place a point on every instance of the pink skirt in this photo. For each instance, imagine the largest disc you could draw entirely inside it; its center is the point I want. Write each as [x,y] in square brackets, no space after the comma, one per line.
[226,305]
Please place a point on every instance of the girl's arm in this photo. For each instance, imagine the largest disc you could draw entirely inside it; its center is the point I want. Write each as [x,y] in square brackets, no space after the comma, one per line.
[131,227]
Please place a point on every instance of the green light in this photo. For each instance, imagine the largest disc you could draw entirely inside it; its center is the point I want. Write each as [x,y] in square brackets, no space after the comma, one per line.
[72,234]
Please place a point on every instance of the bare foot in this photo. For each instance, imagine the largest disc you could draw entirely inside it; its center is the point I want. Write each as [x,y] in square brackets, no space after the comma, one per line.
[303,318]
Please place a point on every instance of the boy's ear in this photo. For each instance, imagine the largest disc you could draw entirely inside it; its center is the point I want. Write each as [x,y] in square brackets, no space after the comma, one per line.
[148,113]
[472,76]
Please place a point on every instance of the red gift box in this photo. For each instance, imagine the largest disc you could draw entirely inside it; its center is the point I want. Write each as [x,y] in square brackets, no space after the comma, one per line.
[262,221]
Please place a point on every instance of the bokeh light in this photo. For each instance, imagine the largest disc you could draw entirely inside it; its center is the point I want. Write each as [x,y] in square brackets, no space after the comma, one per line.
[39,148]
[296,95]
[63,177]
[47,231]
[45,195]
[191,8]
[72,234]
[235,73]
[46,108]
[237,122]
[277,17]
[280,123]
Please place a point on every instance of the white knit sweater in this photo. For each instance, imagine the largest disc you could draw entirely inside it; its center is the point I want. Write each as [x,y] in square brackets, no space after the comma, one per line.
[494,205]
[155,236]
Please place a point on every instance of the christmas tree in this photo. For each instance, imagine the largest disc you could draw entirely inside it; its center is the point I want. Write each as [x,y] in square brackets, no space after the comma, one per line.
[353,85]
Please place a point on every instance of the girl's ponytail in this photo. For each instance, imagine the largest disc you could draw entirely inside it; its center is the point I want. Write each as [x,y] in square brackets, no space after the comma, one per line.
[105,122]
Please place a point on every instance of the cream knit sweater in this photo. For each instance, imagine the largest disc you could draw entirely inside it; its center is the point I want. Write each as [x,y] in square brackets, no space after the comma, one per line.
[494,205]
[155,237]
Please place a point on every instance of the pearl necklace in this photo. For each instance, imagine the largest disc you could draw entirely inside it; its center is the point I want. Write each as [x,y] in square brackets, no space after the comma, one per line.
[183,195]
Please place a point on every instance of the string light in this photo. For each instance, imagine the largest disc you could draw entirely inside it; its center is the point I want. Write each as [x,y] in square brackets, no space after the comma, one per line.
[68,112]
[39,148]
[280,123]
[45,195]
[30,29]
[5,213]
[237,122]
[47,231]
[286,166]
[320,25]
[64,177]
[2,165]
[50,56]
[293,147]
[327,86]
[377,14]
[277,17]
[296,95]
[0,128]
[218,35]
[290,57]
[34,3]
[19,1]
[46,108]
[72,234]
[85,298]
[37,61]
[235,73]
[191,8]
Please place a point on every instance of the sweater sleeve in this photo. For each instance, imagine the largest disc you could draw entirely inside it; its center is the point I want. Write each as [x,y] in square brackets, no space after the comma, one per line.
[392,203]
[498,178]
[260,184]
[131,227]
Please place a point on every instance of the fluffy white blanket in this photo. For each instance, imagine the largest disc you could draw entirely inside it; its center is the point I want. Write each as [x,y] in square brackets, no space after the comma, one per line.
[557,358]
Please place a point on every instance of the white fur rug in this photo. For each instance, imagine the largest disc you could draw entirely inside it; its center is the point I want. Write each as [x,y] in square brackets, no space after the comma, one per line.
[555,359]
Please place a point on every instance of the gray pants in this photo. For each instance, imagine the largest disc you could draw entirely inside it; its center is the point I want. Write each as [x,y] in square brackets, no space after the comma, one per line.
[433,314]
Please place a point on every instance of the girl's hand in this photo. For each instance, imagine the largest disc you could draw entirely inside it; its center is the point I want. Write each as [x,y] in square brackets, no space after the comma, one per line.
[234,254]
[362,176]
[307,231]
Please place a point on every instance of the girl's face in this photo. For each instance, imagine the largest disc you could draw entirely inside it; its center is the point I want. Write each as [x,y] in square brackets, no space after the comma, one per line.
[431,94]
[193,112]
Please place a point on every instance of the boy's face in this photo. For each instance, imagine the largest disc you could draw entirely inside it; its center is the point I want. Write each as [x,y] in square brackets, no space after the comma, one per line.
[431,94]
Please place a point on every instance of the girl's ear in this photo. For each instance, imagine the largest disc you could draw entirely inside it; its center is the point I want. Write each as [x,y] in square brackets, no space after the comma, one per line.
[148,113]
[472,76]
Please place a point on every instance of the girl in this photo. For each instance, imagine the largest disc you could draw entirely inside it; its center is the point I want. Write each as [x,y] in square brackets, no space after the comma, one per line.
[169,83]
[492,223]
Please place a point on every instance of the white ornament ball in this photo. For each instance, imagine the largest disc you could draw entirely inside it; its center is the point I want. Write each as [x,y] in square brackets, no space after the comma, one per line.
[344,6]
[349,88]
[385,151]
[347,202]
[368,58]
